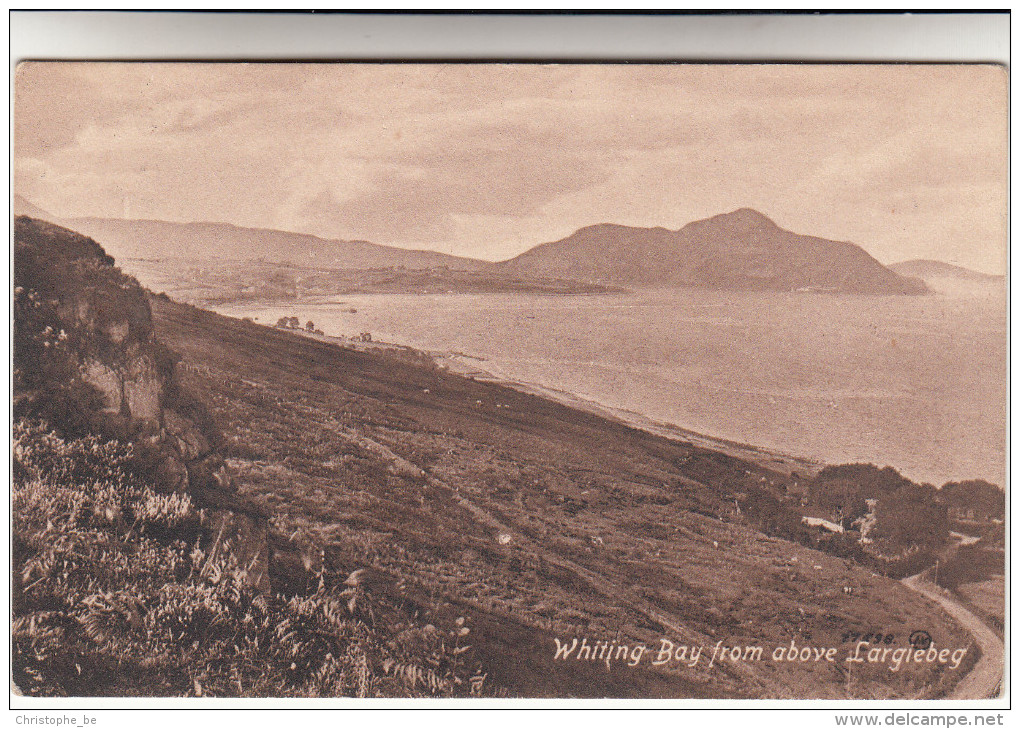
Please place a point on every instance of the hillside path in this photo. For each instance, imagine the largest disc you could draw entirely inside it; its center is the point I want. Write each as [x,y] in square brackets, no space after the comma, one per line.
[985,678]
[601,584]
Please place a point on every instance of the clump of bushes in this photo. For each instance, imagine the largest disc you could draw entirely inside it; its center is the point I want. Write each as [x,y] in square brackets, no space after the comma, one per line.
[911,517]
[904,523]
[844,490]
[117,592]
[772,516]
[972,563]
[983,500]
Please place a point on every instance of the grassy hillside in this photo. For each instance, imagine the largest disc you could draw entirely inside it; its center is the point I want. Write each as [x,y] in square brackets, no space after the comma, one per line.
[533,521]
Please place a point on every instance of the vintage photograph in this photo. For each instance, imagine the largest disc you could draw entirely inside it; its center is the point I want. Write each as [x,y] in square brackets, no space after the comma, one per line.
[509,380]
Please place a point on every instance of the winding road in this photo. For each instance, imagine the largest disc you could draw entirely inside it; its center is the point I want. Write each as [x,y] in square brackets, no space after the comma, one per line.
[985,678]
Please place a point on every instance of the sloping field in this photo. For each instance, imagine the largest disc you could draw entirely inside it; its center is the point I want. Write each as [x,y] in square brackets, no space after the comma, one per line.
[538,522]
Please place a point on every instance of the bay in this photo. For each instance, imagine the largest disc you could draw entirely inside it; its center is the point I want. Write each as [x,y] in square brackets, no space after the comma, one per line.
[915,382]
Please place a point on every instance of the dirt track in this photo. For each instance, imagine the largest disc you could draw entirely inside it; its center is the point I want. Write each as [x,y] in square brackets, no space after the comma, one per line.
[984,679]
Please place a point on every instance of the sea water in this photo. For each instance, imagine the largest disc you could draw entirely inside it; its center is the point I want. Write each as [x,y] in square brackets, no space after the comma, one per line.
[915,382]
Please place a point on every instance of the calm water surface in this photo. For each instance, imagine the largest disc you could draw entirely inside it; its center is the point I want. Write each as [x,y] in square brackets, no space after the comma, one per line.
[918,383]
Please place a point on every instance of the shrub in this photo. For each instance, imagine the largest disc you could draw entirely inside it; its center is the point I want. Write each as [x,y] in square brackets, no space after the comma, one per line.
[986,499]
[772,516]
[843,490]
[910,518]
[115,594]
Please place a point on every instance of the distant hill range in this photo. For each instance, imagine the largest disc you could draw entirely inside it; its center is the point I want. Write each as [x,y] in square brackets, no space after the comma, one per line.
[739,250]
[24,207]
[927,269]
[159,239]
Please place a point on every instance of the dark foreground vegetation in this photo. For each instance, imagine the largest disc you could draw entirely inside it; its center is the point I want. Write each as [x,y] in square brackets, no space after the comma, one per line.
[137,567]
[262,513]
[117,592]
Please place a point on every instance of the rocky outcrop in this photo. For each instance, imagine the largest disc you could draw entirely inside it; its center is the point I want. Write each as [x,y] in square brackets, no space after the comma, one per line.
[85,357]
[110,386]
[142,389]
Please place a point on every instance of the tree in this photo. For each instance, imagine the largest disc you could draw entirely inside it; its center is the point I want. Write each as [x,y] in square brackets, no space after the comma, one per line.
[912,516]
[771,515]
[844,500]
[310,326]
[844,490]
[293,322]
[874,482]
[987,500]
[283,322]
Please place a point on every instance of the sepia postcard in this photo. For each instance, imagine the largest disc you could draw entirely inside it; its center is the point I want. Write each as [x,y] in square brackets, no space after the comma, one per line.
[509,380]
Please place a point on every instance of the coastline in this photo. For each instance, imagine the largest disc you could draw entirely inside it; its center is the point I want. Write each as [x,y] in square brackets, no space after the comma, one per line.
[465,365]
[590,510]
[677,357]
[773,460]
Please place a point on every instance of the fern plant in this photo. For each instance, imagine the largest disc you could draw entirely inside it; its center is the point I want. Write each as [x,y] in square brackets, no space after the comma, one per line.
[114,594]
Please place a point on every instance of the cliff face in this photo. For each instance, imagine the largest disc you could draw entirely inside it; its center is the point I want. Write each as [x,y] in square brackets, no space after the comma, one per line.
[86,361]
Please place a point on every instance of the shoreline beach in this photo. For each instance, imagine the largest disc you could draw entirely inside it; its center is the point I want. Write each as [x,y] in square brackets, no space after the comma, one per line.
[829,395]
[466,365]
[773,460]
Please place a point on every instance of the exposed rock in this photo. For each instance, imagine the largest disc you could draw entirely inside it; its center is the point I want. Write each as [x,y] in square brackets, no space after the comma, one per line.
[103,378]
[69,285]
[83,313]
[190,441]
[117,331]
[142,388]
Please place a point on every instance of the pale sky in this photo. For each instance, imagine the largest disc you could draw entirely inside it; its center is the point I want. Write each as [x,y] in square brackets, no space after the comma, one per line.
[490,160]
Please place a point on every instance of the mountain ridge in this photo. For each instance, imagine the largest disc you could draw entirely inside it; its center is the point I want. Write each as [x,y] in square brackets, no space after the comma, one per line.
[210,241]
[743,249]
[926,268]
[23,206]
[206,241]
